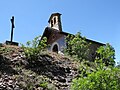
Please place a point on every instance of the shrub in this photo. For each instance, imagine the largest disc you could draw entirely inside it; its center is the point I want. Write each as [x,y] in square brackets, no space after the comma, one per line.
[99,80]
[106,54]
[34,47]
[99,75]
[77,47]
[44,84]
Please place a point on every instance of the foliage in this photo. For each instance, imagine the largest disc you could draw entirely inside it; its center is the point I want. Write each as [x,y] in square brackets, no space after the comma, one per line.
[118,65]
[44,84]
[86,67]
[77,47]
[100,80]
[34,47]
[97,75]
[106,54]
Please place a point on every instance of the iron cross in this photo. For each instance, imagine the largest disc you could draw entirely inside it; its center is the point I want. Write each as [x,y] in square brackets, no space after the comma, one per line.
[12,21]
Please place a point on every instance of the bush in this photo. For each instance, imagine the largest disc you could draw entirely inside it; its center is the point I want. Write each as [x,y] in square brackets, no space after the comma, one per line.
[99,80]
[99,75]
[34,47]
[77,47]
[106,54]
[44,84]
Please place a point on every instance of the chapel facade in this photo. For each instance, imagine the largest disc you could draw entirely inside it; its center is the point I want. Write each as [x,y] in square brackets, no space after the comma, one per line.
[56,36]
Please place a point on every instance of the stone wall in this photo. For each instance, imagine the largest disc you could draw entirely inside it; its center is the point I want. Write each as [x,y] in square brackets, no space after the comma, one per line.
[93,47]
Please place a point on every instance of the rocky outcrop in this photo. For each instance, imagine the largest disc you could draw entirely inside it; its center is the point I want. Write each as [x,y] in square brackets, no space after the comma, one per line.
[7,82]
[17,72]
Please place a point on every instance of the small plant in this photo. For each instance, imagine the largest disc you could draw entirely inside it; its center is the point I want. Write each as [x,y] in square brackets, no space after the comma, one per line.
[34,47]
[44,84]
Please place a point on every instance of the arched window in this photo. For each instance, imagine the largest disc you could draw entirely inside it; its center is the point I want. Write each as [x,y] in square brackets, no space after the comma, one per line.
[55,48]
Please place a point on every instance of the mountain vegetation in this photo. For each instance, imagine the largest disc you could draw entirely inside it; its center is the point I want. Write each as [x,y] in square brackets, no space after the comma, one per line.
[98,75]
[32,67]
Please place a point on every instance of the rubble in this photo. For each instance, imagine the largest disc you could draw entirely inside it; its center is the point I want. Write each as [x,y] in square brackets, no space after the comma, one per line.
[17,72]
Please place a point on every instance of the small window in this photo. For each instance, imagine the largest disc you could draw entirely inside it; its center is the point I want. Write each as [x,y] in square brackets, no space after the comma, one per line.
[54,20]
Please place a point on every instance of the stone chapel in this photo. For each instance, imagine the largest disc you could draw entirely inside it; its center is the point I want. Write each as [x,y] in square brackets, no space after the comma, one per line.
[56,36]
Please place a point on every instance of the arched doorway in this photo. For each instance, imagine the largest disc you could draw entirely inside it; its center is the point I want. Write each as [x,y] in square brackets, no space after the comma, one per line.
[55,48]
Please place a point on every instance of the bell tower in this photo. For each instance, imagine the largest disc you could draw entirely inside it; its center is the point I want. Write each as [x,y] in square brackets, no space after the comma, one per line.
[55,21]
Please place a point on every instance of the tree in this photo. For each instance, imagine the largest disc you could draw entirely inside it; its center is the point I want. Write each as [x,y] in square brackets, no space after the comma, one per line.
[99,76]
[99,80]
[77,46]
[118,65]
[106,54]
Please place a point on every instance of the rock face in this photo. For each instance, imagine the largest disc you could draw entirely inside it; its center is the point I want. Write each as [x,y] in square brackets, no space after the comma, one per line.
[7,82]
[17,72]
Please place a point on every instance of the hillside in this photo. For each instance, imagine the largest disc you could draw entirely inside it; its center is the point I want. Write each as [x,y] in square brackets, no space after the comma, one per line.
[49,71]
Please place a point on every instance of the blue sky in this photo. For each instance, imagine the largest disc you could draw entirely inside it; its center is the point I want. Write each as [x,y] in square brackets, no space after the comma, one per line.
[98,20]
